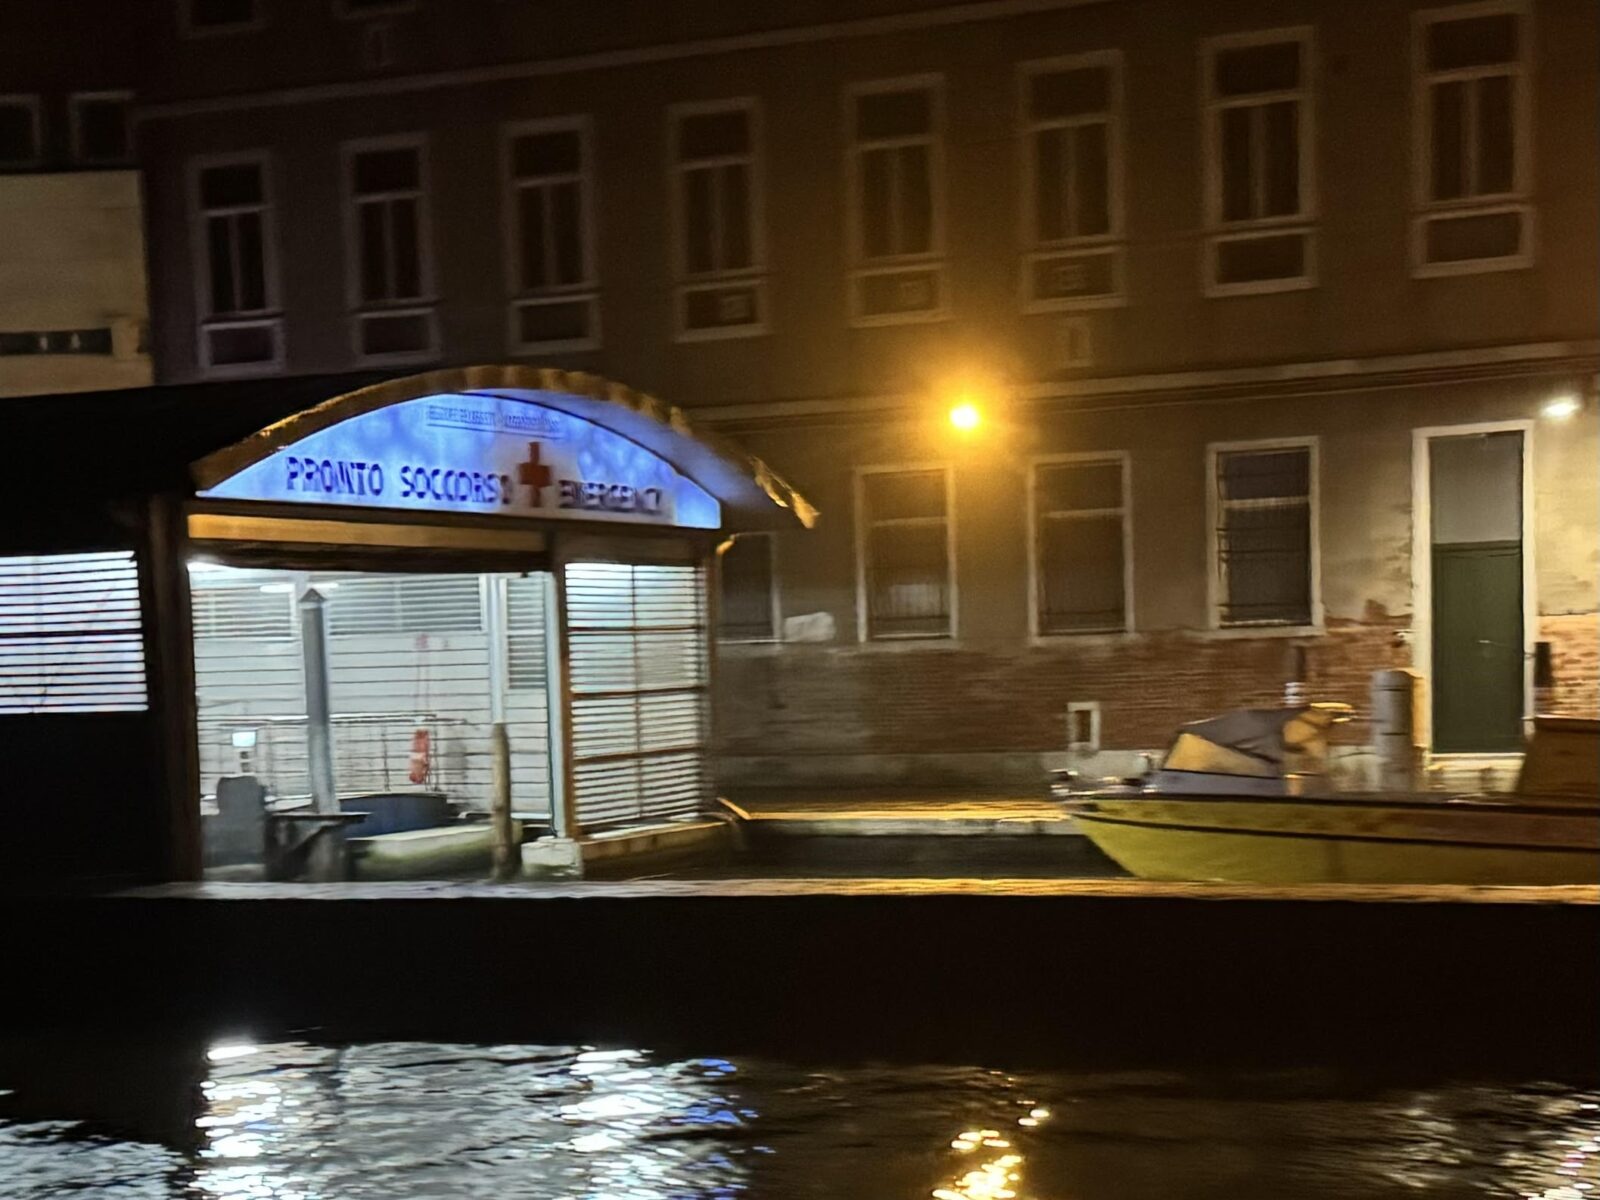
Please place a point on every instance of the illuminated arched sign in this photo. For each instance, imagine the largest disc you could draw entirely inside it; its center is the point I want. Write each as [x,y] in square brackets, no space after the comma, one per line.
[484,455]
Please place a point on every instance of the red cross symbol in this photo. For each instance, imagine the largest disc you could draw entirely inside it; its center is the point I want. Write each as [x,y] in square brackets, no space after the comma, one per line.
[535,474]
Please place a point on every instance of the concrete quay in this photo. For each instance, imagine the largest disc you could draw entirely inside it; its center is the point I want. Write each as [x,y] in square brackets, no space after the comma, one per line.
[1091,972]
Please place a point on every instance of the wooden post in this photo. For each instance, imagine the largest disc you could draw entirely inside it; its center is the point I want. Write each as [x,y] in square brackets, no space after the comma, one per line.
[506,860]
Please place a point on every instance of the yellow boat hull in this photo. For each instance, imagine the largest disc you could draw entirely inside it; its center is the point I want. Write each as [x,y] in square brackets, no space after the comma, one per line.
[1336,841]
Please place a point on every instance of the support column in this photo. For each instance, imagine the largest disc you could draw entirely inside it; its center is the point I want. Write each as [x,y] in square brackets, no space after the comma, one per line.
[326,859]
[169,653]
[558,856]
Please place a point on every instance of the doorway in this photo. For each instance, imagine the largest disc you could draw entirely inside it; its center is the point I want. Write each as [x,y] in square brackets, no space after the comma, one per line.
[1473,562]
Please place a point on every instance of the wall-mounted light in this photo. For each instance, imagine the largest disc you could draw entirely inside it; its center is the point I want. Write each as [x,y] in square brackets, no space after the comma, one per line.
[1560,408]
[965,416]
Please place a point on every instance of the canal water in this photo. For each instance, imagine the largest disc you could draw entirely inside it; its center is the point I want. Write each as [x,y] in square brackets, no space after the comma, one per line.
[302,1121]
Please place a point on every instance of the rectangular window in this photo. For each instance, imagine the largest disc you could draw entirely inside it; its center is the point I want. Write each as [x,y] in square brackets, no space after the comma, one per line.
[716,201]
[1473,133]
[1265,520]
[1071,109]
[235,246]
[906,584]
[20,131]
[747,602]
[896,199]
[220,16]
[70,634]
[1259,159]
[100,131]
[1080,526]
[389,249]
[376,604]
[555,293]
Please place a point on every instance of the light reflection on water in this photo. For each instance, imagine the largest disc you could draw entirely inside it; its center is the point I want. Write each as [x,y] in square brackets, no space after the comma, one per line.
[295,1121]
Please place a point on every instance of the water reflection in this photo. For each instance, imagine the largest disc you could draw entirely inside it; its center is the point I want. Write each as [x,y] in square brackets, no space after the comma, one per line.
[292,1122]
[296,1121]
[991,1162]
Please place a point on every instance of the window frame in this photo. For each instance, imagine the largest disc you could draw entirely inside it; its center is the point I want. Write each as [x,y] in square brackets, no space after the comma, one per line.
[1114,241]
[35,104]
[75,116]
[271,316]
[863,542]
[771,540]
[1124,460]
[1215,593]
[1218,231]
[686,283]
[588,289]
[188,29]
[1521,71]
[426,304]
[935,259]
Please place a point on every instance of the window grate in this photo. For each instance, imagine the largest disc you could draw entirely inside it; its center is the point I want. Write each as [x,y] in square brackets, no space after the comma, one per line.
[1263,536]
[70,634]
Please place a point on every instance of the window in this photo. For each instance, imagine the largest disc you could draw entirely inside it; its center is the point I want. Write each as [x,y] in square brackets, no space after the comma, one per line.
[238,606]
[1072,181]
[391,273]
[402,604]
[904,553]
[241,330]
[20,132]
[1258,156]
[1080,535]
[555,295]
[747,603]
[526,634]
[70,634]
[1265,548]
[220,16]
[716,197]
[100,127]
[1473,132]
[896,231]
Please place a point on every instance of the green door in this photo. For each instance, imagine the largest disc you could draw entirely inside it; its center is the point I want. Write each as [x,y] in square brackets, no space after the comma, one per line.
[1478,669]
[1477,647]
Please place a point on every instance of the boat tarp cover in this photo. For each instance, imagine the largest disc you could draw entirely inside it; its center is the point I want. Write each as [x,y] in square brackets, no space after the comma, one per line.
[1263,742]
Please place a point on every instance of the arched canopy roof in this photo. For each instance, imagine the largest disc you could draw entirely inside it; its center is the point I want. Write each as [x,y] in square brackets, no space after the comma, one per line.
[750,494]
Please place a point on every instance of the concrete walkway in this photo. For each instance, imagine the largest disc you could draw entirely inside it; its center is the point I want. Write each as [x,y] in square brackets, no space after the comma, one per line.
[897,812]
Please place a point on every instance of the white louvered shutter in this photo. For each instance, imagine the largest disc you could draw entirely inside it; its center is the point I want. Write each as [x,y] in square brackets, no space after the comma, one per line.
[637,638]
[70,637]
[405,653]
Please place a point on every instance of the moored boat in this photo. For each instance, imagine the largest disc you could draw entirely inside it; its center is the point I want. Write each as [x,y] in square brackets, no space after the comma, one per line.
[1244,798]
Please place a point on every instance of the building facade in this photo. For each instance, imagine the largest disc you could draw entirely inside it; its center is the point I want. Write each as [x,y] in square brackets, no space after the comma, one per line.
[73,307]
[1269,325]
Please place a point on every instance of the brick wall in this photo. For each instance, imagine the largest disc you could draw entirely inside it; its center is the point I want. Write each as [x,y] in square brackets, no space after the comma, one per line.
[944,700]
[934,700]
[1575,654]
